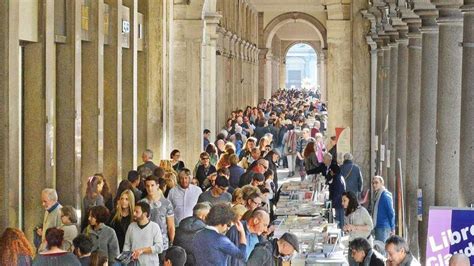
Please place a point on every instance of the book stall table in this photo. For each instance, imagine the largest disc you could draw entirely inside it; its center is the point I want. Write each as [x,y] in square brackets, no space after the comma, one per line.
[320,241]
[302,198]
[301,211]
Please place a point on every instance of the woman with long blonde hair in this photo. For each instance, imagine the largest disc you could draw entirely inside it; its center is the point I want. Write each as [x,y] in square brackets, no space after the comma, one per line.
[169,183]
[167,166]
[15,248]
[123,215]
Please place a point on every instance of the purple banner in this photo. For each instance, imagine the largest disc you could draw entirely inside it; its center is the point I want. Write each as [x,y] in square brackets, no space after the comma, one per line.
[450,231]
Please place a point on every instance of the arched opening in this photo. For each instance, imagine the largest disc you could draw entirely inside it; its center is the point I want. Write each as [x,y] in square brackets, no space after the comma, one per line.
[279,35]
[301,67]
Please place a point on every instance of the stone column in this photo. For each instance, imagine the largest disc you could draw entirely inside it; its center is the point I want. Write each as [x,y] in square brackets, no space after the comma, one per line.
[113,90]
[467,108]
[256,71]
[283,73]
[10,102]
[229,52]
[379,105]
[323,75]
[93,95]
[130,92]
[157,81]
[240,78]
[392,114]
[413,130]
[268,75]
[385,108]
[235,74]
[185,104]
[402,85]
[276,74]
[220,83]
[68,125]
[449,102]
[373,93]
[373,107]
[429,87]
[246,75]
[209,89]
[361,115]
[339,39]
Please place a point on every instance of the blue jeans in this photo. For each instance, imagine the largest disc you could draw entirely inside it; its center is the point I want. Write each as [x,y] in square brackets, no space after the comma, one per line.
[382,234]
[340,216]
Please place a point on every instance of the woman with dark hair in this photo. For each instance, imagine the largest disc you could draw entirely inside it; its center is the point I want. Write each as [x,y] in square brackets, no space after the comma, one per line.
[123,215]
[248,111]
[212,240]
[357,220]
[229,125]
[250,143]
[310,158]
[124,185]
[54,255]
[105,192]
[211,149]
[103,237]
[93,197]
[273,157]
[337,186]
[15,248]
[175,162]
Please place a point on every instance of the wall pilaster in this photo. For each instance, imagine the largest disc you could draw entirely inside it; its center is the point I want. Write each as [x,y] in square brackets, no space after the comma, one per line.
[467,107]
[448,123]
[339,39]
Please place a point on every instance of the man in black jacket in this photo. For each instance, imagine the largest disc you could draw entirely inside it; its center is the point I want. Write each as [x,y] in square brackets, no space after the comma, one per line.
[189,227]
[361,253]
[274,252]
[323,168]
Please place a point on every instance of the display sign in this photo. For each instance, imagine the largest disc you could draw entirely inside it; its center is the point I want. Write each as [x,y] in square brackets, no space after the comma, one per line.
[450,231]
[343,142]
[420,204]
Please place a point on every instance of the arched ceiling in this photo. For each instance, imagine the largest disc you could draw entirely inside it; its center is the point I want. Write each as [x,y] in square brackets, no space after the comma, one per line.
[297,31]
[288,5]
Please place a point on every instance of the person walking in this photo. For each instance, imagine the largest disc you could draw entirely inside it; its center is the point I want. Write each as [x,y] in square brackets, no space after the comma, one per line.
[184,196]
[352,175]
[383,213]
[143,237]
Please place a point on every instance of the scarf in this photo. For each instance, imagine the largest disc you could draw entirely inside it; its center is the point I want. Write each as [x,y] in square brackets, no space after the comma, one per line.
[319,152]
[376,205]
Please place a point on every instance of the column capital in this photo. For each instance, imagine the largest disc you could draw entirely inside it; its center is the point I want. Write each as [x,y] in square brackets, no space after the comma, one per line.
[468,6]
[212,17]
[372,44]
[413,22]
[428,16]
[450,14]
[338,9]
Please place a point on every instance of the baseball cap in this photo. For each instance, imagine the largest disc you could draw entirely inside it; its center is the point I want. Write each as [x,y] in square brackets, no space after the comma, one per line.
[292,239]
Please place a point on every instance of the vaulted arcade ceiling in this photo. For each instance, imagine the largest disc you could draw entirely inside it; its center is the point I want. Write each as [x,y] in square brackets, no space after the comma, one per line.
[288,5]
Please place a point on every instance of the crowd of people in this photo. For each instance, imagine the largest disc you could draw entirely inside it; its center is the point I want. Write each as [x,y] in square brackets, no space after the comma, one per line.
[218,210]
